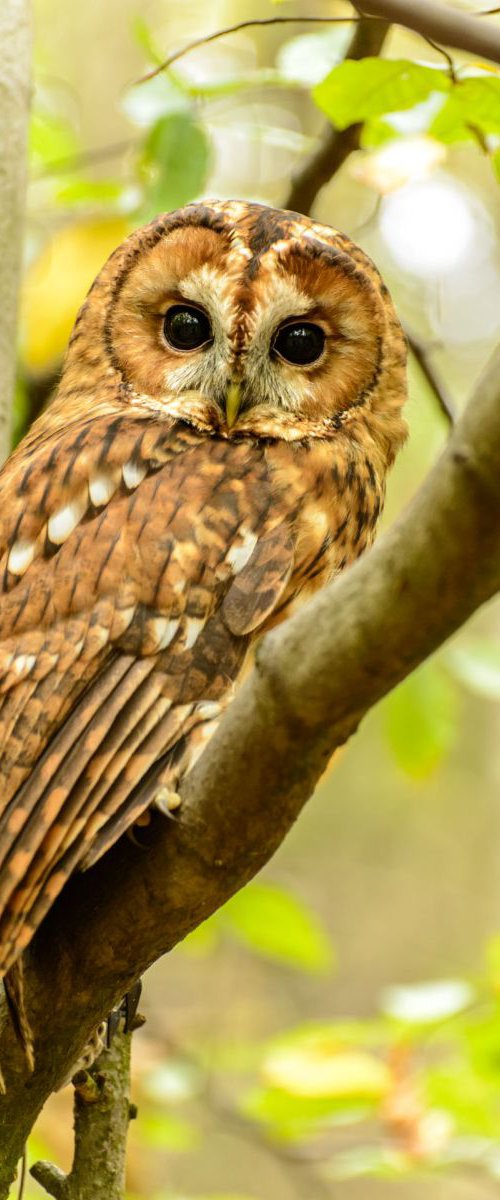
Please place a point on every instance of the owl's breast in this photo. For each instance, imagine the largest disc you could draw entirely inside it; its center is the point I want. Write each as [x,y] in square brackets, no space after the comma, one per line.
[334,497]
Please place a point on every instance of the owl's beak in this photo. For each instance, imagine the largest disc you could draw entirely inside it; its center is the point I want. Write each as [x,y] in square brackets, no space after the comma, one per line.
[233,401]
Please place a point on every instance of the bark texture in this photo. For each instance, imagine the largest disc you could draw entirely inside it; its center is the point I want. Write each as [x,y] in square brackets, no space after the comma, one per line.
[15,76]
[315,678]
[102,1112]
[441,23]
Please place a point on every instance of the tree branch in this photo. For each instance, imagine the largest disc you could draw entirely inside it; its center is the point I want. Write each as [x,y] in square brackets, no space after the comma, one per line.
[363,635]
[436,384]
[433,21]
[102,1113]
[335,144]
[442,24]
[15,40]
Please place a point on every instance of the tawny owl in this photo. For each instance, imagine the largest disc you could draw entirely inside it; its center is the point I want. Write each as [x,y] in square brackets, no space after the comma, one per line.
[217,450]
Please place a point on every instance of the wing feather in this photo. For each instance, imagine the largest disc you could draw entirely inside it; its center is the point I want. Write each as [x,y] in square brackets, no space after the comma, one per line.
[110,639]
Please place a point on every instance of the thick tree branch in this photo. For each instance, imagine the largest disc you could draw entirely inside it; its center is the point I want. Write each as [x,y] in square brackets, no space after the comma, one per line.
[440,23]
[335,145]
[362,635]
[15,78]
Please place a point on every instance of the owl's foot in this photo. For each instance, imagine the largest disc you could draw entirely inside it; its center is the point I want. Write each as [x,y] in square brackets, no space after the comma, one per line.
[166,801]
[124,1017]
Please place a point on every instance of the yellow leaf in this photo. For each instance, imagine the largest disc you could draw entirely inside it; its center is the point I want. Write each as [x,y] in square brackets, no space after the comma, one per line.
[57,282]
[320,1069]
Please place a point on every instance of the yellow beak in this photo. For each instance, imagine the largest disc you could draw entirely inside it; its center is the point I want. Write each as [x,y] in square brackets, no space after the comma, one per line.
[233,401]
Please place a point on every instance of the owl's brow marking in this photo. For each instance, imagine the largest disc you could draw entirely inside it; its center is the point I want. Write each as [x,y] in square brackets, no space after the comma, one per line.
[196,216]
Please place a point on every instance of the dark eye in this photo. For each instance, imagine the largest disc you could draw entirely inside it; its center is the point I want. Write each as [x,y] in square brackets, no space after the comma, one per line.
[186,328]
[301,343]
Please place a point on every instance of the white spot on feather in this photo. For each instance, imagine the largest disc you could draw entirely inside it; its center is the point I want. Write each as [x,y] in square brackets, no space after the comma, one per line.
[241,552]
[24,663]
[102,486]
[165,631]
[208,710]
[62,523]
[133,474]
[20,557]
[193,628]
[122,618]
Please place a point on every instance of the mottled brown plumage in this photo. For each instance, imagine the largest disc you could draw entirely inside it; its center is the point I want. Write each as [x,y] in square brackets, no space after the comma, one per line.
[149,531]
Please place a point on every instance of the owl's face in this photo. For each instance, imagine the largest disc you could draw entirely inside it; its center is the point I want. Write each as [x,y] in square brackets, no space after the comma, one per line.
[253,318]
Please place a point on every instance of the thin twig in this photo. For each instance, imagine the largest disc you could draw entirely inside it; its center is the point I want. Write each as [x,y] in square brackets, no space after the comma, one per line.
[436,384]
[445,55]
[432,21]
[250,24]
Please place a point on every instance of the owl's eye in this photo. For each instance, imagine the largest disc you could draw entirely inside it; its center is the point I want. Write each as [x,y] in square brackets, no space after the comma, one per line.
[301,343]
[186,328]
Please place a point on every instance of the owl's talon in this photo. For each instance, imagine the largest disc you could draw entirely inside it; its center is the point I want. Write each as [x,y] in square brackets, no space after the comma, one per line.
[167,801]
[124,1016]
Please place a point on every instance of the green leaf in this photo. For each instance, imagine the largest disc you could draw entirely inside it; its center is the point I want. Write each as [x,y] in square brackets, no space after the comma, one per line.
[144,39]
[377,133]
[279,926]
[479,101]
[175,163]
[89,192]
[295,1117]
[476,663]
[473,1102]
[357,91]
[50,138]
[421,720]
[448,124]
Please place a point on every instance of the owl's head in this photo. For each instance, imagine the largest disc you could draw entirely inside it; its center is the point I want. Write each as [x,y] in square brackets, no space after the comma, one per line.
[247,321]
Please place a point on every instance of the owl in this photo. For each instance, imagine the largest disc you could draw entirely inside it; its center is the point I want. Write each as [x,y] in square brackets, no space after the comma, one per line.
[217,450]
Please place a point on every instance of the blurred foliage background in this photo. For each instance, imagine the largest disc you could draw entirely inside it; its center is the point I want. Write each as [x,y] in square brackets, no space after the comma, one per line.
[334,1032]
